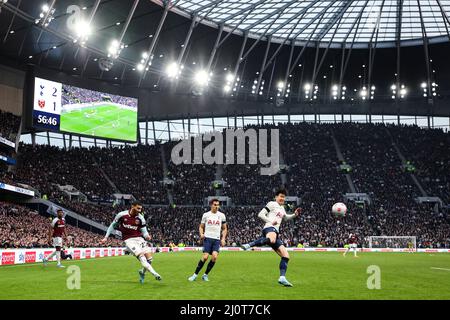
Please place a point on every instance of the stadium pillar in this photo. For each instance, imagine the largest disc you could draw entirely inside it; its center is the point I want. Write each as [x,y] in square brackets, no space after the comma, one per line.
[198,125]
[33,139]
[239,60]
[271,79]
[187,39]
[168,130]
[189,125]
[48,138]
[155,39]
[154,131]
[146,131]
[214,51]
[261,71]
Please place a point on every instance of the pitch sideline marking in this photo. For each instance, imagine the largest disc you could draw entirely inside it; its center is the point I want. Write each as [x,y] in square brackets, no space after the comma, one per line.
[434,268]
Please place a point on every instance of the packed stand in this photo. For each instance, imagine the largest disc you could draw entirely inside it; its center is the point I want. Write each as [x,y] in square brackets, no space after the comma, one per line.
[21,227]
[9,125]
[135,170]
[245,184]
[99,213]
[429,152]
[42,166]
[192,182]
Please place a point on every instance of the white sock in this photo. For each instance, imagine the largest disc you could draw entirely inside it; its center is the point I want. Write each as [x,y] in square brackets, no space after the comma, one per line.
[147,265]
[58,256]
[149,261]
[50,257]
[355,252]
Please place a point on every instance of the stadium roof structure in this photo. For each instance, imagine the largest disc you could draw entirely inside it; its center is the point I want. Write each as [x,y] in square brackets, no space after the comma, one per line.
[369,21]
[223,57]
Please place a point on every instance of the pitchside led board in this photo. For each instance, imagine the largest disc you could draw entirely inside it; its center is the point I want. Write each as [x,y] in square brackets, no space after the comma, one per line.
[63,108]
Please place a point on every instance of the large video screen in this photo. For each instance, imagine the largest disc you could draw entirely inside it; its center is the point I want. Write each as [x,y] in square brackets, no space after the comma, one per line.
[64,108]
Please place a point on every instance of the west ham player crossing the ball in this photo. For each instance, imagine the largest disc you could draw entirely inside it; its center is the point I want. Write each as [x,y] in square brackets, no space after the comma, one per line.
[133,227]
[55,237]
[273,215]
[213,231]
[352,244]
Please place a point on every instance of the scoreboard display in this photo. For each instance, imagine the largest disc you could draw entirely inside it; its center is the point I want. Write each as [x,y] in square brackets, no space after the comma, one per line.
[47,104]
[64,108]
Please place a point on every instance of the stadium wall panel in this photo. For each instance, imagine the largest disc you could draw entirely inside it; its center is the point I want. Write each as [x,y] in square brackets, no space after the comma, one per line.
[27,256]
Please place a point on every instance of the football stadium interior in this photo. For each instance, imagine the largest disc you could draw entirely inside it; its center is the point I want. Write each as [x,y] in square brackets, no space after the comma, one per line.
[357,92]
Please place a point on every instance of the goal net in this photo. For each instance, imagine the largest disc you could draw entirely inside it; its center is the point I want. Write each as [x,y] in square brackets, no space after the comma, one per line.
[393,242]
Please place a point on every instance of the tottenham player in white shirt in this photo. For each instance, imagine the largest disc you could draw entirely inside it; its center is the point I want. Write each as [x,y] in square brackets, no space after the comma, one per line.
[273,215]
[213,231]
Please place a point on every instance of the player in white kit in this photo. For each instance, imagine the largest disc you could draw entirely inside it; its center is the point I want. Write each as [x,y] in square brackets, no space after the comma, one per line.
[273,215]
[213,231]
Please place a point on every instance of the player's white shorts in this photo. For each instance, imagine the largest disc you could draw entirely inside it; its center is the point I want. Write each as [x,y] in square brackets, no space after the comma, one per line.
[137,246]
[353,246]
[57,242]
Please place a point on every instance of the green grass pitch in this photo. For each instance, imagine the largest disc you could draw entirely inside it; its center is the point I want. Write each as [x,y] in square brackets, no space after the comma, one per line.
[106,121]
[236,276]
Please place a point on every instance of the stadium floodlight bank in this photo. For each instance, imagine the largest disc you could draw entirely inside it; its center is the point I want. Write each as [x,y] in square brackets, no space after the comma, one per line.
[393,242]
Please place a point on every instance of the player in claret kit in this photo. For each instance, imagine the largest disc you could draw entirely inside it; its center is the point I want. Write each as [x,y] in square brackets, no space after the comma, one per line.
[273,215]
[55,237]
[133,227]
[352,244]
[213,231]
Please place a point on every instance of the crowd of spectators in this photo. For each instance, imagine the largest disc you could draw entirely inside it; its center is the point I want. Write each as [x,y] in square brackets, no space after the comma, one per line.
[21,227]
[9,125]
[134,170]
[429,152]
[41,166]
[312,173]
[99,213]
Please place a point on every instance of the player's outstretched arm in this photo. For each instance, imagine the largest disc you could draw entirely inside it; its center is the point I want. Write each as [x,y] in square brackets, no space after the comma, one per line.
[108,232]
[296,213]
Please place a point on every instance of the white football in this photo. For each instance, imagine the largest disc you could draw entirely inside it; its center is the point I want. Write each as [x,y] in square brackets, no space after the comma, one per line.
[339,209]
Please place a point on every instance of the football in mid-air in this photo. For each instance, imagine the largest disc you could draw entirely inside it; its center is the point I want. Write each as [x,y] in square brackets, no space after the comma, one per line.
[339,209]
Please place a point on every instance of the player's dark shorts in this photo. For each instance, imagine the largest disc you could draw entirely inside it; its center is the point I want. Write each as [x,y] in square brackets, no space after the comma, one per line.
[278,243]
[211,245]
